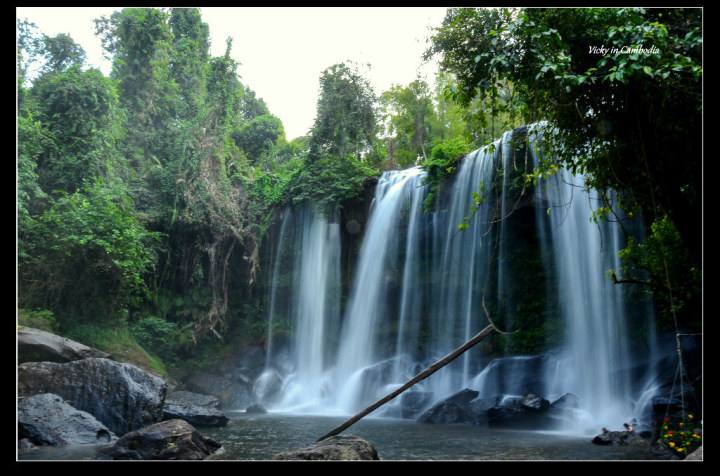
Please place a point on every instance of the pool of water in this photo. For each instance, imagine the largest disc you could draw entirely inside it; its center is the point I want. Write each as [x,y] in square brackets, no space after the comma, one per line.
[259,437]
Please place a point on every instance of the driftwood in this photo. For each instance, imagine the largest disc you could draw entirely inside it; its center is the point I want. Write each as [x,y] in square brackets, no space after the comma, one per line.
[421,376]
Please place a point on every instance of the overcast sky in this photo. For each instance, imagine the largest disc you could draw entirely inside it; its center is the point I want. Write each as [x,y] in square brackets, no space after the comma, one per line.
[282,51]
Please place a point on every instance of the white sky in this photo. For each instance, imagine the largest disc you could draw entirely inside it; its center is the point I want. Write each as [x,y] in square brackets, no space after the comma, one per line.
[282,51]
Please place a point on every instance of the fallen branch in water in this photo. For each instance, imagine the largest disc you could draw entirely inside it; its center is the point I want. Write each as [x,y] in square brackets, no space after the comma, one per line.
[421,376]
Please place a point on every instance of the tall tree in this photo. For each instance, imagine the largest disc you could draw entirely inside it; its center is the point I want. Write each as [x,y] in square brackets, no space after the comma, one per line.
[80,111]
[345,120]
[140,40]
[411,112]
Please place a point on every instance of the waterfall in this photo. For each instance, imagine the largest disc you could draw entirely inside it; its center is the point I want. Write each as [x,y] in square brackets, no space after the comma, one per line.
[594,359]
[373,295]
[421,287]
[312,311]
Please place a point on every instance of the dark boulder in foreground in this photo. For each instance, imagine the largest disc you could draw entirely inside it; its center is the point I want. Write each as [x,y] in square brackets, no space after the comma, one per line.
[335,448]
[167,440]
[123,397]
[48,420]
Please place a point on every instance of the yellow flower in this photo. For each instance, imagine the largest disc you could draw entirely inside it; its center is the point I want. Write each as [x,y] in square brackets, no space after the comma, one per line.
[672,443]
[680,449]
[690,416]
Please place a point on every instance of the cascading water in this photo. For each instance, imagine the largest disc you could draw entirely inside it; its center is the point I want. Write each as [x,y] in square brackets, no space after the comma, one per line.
[594,361]
[312,311]
[420,285]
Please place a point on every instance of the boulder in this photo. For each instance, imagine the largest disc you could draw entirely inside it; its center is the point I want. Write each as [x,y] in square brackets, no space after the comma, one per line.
[257,408]
[35,345]
[232,393]
[267,387]
[335,448]
[695,455]
[194,408]
[454,409]
[413,402]
[617,438]
[527,412]
[533,403]
[121,396]
[48,420]
[167,440]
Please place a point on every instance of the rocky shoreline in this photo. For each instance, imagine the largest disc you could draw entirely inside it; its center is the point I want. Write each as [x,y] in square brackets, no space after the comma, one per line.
[78,396]
[73,395]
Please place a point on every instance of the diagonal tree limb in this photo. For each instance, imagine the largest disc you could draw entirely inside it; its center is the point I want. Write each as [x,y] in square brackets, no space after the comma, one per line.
[421,376]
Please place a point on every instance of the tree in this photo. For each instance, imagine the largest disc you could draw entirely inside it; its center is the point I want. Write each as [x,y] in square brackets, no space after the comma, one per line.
[87,255]
[79,112]
[334,167]
[410,111]
[189,58]
[62,52]
[610,83]
[140,40]
[345,120]
[258,136]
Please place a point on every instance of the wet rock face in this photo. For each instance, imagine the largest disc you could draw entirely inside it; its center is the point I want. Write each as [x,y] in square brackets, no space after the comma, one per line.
[167,440]
[335,448]
[48,420]
[121,396]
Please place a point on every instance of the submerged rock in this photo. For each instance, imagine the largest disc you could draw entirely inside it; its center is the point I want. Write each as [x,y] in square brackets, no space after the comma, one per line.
[335,448]
[167,440]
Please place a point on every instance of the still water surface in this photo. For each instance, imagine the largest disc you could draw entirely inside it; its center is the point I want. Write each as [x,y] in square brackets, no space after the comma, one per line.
[254,437]
[260,437]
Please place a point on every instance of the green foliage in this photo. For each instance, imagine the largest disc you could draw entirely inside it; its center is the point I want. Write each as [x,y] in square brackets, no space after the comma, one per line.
[79,114]
[117,341]
[660,264]
[328,181]
[258,137]
[408,112]
[87,253]
[346,117]
[37,318]
[156,334]
[62,52]
[442,164]
[613,112]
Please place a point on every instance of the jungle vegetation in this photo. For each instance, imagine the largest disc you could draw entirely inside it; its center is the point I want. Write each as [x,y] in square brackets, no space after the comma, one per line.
[144,197]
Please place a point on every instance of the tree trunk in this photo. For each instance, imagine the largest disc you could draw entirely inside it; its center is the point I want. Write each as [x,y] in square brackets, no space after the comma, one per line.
[421,376]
